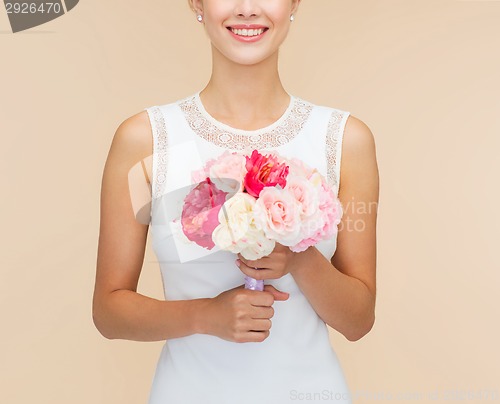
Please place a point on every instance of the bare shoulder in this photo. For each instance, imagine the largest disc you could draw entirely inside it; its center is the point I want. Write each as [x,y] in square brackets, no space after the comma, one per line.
[359,160]
[129,164]
[358,137]
[133,138]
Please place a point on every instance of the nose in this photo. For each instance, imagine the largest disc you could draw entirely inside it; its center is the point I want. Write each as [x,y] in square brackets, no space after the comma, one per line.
[247,8]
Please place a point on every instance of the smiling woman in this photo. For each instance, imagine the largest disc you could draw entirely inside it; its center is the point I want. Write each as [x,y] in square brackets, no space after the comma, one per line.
[221,345]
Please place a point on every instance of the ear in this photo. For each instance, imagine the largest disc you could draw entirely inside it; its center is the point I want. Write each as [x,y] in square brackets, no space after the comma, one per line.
[295,6]
[196,6]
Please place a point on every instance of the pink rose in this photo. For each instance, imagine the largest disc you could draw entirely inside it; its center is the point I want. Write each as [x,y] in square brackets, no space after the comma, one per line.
[305,193]
[200,213]
[326,221]
[228,171]
[277,213]
[299,168]
[264,171]
[200,175]
[331,206]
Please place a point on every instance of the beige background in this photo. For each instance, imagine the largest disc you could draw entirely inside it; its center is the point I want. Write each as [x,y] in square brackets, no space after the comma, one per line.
[423,75]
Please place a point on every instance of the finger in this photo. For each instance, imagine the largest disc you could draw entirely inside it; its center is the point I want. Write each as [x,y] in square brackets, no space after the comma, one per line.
[263,312]
[263,262]
[261,299]
[256,336]
[277,294]
[261,273]
[260,324]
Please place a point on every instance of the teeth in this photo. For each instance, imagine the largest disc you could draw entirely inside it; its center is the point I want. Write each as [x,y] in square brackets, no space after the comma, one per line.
[247,32]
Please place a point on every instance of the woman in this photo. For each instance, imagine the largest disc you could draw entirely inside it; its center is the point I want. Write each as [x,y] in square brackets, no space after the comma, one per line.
[221,345]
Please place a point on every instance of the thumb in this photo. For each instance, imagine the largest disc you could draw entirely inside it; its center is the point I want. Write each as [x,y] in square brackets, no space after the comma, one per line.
[278,294]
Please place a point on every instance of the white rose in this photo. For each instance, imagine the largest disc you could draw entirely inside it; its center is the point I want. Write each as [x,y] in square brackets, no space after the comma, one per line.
[235,222]
[260,247]
[221,236]
[237,231]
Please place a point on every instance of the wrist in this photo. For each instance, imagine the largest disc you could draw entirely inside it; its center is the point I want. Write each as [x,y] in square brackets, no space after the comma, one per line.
[301,261]
[200,316]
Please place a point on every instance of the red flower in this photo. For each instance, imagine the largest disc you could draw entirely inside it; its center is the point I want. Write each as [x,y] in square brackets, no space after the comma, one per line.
[263,171]
[200,213]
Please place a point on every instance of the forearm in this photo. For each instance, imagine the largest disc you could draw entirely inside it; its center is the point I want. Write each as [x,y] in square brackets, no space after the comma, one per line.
[343,302]
[128,315]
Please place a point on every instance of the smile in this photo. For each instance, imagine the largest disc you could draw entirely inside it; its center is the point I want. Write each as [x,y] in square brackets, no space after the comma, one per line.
[247,34]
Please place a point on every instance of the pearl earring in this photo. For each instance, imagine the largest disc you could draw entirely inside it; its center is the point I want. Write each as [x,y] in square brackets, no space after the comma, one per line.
[292,17]
[199,18]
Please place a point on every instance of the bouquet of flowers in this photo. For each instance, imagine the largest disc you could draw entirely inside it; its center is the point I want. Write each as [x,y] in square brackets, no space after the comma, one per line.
[245,204]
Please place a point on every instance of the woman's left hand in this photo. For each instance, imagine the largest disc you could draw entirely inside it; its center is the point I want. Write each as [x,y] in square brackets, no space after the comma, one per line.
[273,266]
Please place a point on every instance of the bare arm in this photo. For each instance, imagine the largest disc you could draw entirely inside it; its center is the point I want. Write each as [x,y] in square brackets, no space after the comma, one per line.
[118,311]
[343,291]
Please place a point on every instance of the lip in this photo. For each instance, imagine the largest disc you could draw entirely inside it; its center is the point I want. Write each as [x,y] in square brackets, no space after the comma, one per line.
[247,26]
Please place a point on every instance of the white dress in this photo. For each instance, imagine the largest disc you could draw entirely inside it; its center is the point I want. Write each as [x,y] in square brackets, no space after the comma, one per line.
[296,362]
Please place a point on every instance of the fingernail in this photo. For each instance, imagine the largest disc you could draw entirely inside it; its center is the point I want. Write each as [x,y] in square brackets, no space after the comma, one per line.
[237,262]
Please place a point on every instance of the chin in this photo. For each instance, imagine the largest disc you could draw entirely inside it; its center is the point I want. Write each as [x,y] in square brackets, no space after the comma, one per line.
[248,60]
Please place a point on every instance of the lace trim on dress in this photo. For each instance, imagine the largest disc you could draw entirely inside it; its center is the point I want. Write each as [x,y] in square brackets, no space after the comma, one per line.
[160,153]
[333,149]
[289,126]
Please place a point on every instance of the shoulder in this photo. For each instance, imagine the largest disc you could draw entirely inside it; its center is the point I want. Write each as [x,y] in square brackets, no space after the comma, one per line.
[133,137]
[131,148]
[359,160]
[358,137]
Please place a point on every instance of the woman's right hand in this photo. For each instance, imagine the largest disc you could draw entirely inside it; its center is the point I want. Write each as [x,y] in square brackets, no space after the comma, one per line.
[242,315]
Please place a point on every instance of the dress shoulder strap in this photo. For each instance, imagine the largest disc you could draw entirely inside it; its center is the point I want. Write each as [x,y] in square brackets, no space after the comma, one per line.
[160,152]
[334,138]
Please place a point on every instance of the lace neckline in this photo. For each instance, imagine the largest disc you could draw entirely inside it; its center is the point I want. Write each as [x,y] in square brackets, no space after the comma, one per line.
[276,134]
[244,132]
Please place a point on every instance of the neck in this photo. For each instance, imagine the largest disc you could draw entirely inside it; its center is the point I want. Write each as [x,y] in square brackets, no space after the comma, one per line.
[245,95]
